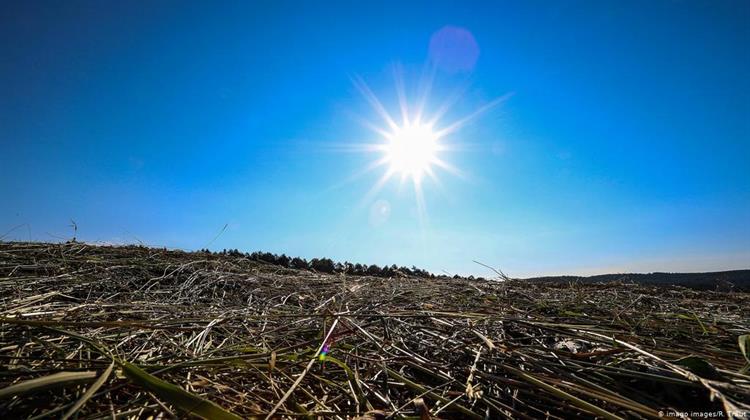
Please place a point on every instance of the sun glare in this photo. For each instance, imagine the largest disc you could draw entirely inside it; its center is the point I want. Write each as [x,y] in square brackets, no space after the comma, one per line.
[411,150]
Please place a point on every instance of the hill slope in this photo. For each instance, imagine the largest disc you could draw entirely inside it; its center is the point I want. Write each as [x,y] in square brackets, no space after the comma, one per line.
[226,336]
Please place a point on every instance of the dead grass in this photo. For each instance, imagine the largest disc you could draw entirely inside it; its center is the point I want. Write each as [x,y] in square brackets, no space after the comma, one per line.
[130,332]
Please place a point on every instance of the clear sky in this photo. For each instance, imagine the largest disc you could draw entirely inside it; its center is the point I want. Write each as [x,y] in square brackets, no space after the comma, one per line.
[623,145]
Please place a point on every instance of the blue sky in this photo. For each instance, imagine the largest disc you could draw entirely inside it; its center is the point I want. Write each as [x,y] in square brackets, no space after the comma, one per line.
[624,146]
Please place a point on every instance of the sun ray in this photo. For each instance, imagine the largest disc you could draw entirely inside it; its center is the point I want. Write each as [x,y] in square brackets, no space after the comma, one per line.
[377,130]
[364,171]
[374,102]
[401,93]
[461,122]
[375,188]
[444,146]
[425,89]
[438,185]
[358,147]
[449,168]
[421,207]
[433,176]
[446,105]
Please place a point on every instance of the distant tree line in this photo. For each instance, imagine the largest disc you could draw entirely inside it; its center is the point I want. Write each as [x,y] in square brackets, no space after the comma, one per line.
[326,265]
[723,280]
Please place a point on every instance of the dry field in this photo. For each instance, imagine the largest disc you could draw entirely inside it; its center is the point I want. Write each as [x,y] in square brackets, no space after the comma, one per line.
[131,332]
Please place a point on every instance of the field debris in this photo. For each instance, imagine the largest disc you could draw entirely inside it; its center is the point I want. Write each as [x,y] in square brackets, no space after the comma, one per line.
[94,332]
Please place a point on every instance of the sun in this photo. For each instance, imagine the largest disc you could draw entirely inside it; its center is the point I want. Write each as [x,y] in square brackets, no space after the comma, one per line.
[413,147]
[411,150]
